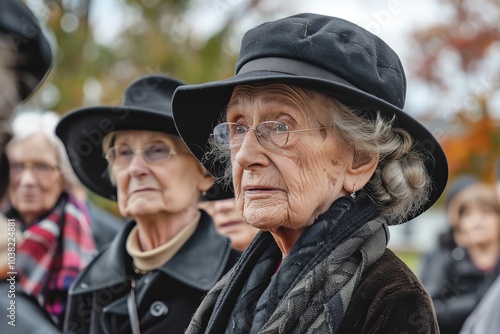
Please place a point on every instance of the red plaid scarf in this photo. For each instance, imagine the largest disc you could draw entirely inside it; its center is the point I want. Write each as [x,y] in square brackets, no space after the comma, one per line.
[52,253]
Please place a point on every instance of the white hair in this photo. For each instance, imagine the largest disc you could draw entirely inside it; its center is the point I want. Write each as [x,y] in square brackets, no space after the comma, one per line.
[34,122]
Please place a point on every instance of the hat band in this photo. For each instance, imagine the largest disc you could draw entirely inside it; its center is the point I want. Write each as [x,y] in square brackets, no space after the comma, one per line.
[294,67]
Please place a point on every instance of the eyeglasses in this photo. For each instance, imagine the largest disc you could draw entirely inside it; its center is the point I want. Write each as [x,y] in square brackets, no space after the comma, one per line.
[269,134]
[122,155]
[41,170]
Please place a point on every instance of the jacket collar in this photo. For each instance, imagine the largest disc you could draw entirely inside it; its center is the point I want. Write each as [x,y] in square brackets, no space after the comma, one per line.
[206,250]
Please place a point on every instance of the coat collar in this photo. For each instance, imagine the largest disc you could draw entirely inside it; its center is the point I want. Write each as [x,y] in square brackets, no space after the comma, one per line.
[206,250]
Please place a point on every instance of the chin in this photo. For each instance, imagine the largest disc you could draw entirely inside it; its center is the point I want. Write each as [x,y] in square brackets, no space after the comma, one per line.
[30,210]
[145,210]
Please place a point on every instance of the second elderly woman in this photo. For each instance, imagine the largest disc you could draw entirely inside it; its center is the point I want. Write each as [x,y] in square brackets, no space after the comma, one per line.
[322,158]
[153,275]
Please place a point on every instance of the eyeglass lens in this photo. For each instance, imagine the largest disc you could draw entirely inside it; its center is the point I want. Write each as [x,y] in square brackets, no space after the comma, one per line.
[40,169]
[270,133]
[123,154]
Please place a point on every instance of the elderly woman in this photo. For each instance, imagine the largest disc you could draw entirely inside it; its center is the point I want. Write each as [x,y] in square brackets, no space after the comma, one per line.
[322,158]
[153,275]
[56,241]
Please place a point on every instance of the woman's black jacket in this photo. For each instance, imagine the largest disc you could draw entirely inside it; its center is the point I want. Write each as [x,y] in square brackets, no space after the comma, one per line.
[165,299]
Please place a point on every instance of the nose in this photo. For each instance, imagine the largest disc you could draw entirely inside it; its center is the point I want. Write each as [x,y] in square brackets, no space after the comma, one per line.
[138,165]
[27,177]
[250,152]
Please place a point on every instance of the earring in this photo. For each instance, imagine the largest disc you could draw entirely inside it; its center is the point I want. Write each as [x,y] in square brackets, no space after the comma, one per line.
[353,192]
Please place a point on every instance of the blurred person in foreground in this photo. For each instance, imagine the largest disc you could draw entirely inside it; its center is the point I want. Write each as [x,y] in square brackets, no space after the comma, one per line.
[25,61]
[435,263]
[228,221]
[484,318]
[322,158]
[153,275]
[57,241]
[467,278]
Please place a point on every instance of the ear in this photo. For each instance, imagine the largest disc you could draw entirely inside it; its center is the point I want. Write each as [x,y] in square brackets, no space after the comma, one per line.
[359,172]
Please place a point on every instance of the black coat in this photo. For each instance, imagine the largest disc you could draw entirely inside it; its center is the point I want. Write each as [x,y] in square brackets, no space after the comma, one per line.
[457,294]
[166,298]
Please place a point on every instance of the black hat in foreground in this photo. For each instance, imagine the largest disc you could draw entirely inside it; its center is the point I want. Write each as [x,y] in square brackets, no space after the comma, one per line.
[33,56]
[322,53]
[147,106]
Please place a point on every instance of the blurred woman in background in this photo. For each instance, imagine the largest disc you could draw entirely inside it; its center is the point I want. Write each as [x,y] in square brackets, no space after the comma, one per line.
[434,263]
[57,239]
[471,273]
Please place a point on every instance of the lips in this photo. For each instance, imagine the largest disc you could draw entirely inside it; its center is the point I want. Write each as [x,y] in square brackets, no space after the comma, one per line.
[259,188]
[227,227]
[230,223]
[28,195]
[142,190]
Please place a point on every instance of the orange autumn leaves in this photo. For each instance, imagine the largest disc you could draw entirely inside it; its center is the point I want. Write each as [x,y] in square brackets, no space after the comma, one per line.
[475,148]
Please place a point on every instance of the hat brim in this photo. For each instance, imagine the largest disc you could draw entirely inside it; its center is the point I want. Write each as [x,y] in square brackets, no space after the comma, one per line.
[207,103]
[34,55]
[83,130]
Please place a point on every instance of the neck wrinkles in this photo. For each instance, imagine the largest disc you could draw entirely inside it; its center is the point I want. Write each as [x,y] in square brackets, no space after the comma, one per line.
[154,231]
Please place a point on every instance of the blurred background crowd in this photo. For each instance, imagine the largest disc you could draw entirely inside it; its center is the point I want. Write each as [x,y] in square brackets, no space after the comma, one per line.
[449,48]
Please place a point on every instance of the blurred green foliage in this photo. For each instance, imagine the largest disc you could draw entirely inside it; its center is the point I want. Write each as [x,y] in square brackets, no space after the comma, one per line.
[155,38]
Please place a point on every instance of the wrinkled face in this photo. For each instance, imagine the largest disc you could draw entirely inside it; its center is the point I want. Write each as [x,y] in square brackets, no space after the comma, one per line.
[228,222]
[35,179]
[286,186]
[479,225]
[167,186]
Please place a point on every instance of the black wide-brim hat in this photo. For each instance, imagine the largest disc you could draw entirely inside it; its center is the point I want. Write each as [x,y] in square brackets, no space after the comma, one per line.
[33,55]
[325,54]
[147,106]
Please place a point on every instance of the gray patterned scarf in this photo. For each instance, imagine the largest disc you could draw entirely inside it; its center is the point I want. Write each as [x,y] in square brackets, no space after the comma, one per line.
[313,286]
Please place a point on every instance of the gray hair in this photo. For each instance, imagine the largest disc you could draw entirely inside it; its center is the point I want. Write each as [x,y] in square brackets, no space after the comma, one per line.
[30,123]
[400,184]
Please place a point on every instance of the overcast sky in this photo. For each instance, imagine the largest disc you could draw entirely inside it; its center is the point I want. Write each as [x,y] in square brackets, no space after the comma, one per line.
[389,19]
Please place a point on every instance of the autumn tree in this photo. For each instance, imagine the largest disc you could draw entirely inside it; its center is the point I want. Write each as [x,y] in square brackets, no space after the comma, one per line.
[458,61]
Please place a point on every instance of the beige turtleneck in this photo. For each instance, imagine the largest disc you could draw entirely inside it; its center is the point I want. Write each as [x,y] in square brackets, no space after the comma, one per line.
[155,258]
